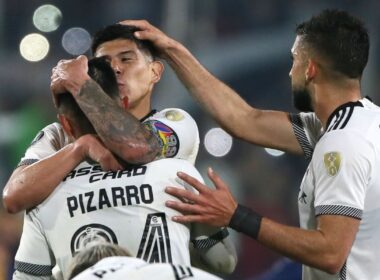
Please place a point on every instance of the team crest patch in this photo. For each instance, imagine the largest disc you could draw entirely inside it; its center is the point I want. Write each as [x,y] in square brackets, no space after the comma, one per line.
[167,137]
[332,161]
[90,234]
[174,115]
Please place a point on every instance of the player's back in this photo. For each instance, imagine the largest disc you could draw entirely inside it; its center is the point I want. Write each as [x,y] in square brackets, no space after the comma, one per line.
[125,207]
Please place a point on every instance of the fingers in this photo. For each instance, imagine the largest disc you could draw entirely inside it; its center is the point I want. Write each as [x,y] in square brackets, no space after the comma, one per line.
[193,182]
[183,194]
[217,181]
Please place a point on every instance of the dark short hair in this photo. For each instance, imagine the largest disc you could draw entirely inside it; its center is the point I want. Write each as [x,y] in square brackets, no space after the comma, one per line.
[120,31]
[91,255]
[101,72]
[340,38]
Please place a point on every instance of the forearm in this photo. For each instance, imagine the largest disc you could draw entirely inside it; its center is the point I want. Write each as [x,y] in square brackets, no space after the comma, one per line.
[30,185]
[120,131]
[310,247]
[212,94]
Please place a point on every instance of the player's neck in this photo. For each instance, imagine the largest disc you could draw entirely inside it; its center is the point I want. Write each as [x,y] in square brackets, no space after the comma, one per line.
[328,97]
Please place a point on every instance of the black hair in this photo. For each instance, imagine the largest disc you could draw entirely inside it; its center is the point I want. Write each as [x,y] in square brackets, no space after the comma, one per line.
[101,72]
[120,31]
[340,38]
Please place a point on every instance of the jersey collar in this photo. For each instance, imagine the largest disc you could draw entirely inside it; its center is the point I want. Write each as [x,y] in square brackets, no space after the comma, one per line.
[338,110]
[151,113]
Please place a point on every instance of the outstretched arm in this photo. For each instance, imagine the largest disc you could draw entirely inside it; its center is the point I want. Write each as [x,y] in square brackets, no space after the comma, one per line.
[265,128]
[325,248]
[119,130]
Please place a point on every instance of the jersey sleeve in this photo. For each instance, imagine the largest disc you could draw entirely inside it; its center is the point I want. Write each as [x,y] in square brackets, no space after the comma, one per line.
[47,141]
[342,168]
[177,133]
[307,129]
[33,256]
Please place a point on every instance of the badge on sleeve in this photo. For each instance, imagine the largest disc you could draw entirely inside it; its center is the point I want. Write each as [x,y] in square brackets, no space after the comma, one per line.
[174,115]
[332,161]
[166,136]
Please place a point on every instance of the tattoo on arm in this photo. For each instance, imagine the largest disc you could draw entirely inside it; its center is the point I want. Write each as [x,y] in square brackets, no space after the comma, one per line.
[120,131]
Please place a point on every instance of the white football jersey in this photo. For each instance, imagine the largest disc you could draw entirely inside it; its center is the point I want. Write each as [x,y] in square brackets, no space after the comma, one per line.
[176,131]
[126,207]
[121,268]
[343,178]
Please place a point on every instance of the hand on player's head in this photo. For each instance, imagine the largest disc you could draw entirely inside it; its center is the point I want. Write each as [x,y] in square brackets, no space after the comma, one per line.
[69,76]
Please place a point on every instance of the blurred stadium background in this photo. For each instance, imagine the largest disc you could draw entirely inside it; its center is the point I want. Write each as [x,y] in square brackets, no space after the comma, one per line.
[246,43]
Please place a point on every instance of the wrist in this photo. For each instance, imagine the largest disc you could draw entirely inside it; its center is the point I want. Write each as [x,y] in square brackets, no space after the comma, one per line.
[79,148]
[246,221]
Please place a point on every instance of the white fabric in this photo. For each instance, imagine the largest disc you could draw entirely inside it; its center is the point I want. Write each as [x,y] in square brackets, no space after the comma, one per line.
[181,137]
[121,268]
[351,188]
[94,205]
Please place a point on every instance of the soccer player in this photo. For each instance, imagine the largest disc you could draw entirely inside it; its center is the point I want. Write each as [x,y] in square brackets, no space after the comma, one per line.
[109,261]
[136,134]
[338,130]
[125,207]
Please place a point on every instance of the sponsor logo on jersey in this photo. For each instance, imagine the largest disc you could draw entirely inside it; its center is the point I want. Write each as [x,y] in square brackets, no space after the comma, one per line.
[332,161]
[167,137]
[98,174]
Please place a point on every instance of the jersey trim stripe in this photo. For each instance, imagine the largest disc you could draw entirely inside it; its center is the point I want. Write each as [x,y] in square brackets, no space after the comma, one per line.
[341,113]
[343,272]
[211,240]
[300,134]
[34,269]
[339,210]
[27,161]
[182,272]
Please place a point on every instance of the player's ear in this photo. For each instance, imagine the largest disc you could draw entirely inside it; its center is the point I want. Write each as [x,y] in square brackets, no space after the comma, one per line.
[157,70]
[65,122]
[311,70]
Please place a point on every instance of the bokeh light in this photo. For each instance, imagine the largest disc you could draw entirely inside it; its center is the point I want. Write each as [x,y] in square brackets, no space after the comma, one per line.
[217,142]
[76,41]
[47,18]
[274,152]
[34,47]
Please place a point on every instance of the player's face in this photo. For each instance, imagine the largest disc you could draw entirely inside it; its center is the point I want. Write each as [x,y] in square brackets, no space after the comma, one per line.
[301,93]
[134,70]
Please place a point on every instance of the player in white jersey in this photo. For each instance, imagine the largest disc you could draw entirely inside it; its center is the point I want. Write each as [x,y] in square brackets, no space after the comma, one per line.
[338,210]
[167,133]
[109,261]
[125,207]
[120,268]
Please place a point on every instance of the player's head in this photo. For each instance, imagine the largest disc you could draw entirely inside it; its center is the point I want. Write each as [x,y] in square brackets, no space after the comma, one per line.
[92,254]
[134,62]
[70,115]
[333,43]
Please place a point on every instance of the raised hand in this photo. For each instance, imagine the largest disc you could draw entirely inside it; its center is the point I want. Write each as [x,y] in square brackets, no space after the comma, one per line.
[211,206]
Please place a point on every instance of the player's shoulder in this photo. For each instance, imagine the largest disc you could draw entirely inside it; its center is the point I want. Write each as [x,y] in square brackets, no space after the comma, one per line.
[172,115]
[170,166]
